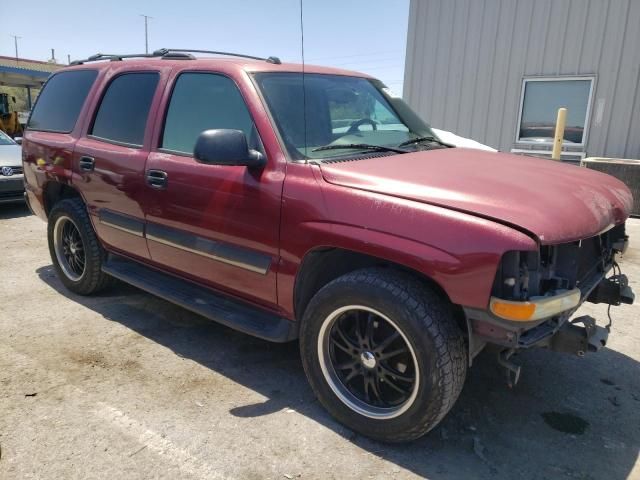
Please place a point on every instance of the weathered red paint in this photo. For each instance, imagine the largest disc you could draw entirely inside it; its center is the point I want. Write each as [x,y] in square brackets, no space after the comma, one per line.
[555,202]
[448,214]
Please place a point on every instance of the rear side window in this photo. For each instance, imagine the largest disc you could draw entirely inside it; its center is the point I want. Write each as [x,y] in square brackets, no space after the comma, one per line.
[61,100]
[122,115]
[201,101]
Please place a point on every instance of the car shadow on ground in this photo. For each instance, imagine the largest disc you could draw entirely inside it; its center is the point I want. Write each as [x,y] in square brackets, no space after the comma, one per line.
[568,417]
[14,210]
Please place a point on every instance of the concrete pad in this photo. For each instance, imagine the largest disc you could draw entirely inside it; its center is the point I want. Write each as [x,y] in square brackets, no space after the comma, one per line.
[126,385]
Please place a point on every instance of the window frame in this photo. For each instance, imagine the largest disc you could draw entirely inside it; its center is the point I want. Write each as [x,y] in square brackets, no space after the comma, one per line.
[82,108]
[158,147]
[556,78]
[272,121]
[96,109]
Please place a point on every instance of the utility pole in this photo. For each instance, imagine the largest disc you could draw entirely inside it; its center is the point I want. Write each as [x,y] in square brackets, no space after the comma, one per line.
[146,33]
[15,42]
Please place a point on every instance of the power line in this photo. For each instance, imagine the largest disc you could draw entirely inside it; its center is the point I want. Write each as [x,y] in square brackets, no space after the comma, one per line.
[370,65]
[391,60]
[375,54]
[373,61]
[374,67]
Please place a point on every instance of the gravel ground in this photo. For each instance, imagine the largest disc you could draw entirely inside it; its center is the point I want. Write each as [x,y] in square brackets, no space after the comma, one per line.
[125,385]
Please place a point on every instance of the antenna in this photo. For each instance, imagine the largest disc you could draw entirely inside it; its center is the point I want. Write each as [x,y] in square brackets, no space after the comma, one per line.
[304,91]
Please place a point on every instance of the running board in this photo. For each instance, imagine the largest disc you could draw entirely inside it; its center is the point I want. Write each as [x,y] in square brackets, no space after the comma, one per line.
[203,301]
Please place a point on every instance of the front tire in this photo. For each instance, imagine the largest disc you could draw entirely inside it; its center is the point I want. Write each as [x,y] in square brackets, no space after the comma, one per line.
[76,253]
[383,354]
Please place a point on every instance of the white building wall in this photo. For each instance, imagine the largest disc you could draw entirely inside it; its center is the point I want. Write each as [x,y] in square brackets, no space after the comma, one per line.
[466,60]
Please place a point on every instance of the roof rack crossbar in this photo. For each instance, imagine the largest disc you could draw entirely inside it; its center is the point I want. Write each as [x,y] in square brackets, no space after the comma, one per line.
[168,53]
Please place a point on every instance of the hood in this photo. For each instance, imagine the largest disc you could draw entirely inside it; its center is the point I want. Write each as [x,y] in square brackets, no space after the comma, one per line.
[10,156]
[555,202]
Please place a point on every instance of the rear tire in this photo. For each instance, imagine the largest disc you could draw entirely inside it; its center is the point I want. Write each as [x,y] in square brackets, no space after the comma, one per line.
[383,354]
[76,253]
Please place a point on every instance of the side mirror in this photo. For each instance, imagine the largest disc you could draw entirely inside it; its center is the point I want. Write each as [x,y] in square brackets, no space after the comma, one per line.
[18,140]
[226,147]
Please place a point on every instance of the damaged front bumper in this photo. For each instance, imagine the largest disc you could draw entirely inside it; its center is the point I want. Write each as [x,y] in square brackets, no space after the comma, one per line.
[544,322]
[535,293]
[577,336]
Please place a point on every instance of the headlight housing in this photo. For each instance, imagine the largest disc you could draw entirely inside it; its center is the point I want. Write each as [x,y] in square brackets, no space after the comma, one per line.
[536,308]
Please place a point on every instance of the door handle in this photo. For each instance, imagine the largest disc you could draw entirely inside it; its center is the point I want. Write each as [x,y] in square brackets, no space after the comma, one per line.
[157,179]
[87,164]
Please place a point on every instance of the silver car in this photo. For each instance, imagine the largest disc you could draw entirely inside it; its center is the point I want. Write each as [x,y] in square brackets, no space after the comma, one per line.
[11,177]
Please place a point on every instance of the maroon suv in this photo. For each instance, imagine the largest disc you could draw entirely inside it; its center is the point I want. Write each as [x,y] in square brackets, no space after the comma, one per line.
[310,203]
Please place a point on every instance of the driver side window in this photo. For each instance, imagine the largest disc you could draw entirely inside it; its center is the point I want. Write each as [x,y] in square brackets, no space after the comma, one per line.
[203,101]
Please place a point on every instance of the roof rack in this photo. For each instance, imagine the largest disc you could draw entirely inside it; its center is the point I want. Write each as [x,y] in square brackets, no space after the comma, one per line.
[169,53]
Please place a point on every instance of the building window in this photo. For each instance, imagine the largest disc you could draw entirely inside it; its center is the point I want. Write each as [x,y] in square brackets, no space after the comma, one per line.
[540,100]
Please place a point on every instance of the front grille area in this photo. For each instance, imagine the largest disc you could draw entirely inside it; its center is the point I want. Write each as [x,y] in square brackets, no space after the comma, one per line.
[566,266]
[10,195]
[10,185]
[578,262]
[592,254]
[16,171]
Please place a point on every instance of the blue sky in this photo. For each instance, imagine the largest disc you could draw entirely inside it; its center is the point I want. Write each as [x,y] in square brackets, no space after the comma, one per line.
[368,36]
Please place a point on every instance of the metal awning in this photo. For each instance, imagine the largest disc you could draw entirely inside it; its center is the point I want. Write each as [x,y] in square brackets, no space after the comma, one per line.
[25,73]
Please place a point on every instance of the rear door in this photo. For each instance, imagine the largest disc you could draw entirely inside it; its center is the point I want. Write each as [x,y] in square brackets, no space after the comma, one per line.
[218,225]
[110,158]
[52,131]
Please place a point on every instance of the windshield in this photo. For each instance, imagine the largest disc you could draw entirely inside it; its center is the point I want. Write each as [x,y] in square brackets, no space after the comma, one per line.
[5,139]
[341,111]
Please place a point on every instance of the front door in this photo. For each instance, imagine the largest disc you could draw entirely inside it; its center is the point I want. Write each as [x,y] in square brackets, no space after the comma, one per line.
[214,224]
[110,161]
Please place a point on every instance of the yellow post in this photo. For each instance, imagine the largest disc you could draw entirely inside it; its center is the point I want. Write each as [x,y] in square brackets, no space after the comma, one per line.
[561,120]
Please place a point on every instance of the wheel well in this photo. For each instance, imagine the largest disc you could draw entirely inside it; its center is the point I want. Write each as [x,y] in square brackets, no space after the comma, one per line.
[320,267]
[56,191]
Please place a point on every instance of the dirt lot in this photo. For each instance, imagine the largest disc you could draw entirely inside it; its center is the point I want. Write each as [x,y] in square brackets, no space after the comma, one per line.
[125,385]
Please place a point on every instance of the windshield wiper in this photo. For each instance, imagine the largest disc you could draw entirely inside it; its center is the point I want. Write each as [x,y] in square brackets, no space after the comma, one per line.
[361,146]
[424,139]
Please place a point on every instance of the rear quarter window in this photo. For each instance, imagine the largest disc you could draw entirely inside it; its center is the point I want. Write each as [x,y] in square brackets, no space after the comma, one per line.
[59,104]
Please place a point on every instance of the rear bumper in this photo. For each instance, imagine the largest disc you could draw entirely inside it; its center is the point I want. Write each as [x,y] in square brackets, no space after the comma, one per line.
[11,189]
